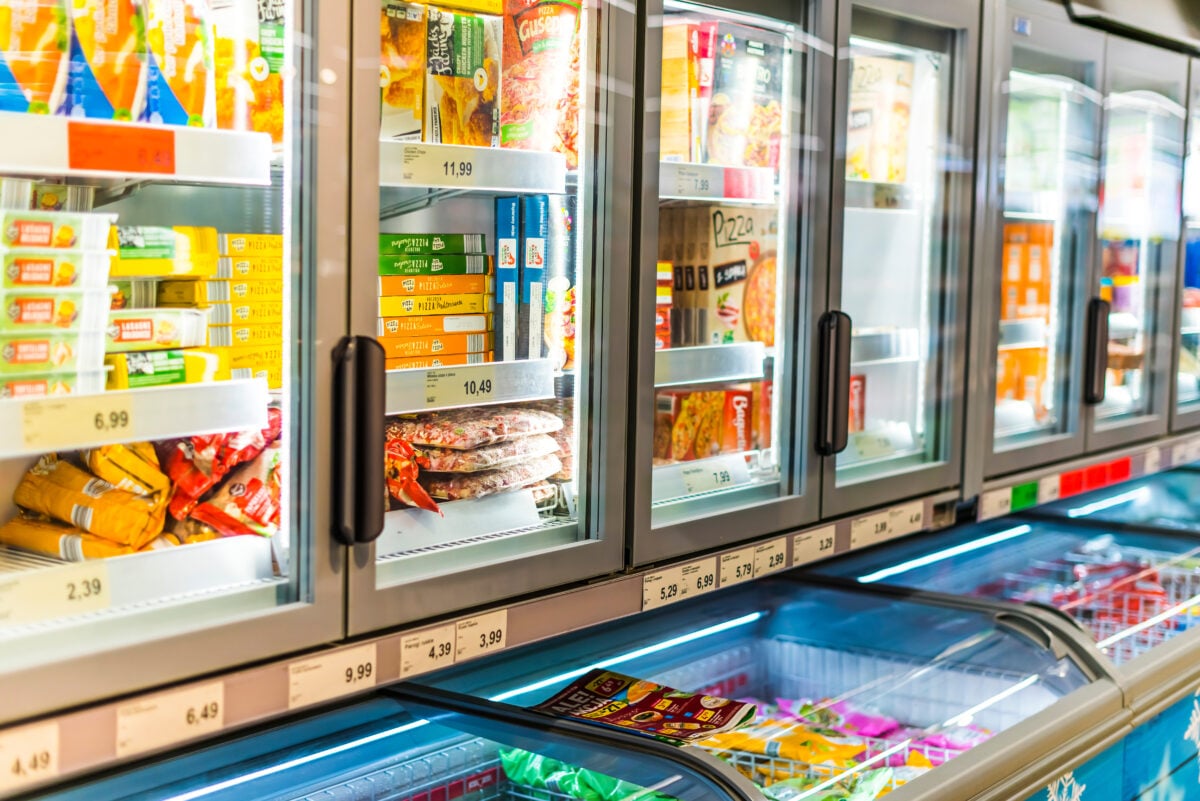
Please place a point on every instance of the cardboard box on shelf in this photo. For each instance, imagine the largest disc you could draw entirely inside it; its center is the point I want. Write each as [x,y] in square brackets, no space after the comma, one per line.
[738,303]
[432,244]
[429,362]
[164,367]
[402,69]
[435,345]
[407,285]
[34,58]
[535,230]
[181,89]
[250,267]
[877,129]
[745,114]
[695,425]
[462,87]
[147,251]
[228,336]
[239,313]
[417,305]
[434,324]
[858,404]
[508,276]
[108,72]
[251,244]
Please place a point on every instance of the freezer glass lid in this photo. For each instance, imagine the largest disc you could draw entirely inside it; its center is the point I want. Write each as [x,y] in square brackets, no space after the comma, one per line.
[1166,501]
[1130,591]
[855,692]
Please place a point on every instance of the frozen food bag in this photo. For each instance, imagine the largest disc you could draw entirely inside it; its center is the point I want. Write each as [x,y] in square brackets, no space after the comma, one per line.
[402,32]
[34,66]
[248,60]
[462,67]
[543,773]
[179,38]
[457,486]
[539,106]
[560,296]
[126,470]
[58,540]
[249,497]
[109,72]
[745,113]
[62,491]
[463,429]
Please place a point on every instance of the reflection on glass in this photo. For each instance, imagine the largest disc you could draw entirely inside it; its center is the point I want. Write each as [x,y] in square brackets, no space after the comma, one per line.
[1048,180]
[1188,376]
[892,253]
[723,258]
[1139,219]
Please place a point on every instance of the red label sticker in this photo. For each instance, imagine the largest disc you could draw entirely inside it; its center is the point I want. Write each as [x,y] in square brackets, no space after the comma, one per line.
[1070,483]
[104,147]
[1121,469]
[1095,477]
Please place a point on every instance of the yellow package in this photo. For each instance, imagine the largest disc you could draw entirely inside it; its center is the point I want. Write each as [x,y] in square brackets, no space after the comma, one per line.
[790,741]
[191,292]
[64,492]
[255,357]
[229,336]
[179,38]
[144,250]
[245,313]
[144,451]
[120,466]
[55,539]
[250,267]
[251,244]
[272,374]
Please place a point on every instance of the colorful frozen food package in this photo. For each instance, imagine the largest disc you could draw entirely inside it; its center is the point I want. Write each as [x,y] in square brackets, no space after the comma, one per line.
[108,59]
[458,486]
[539,108]
[745,114]
[34,38]
[508,275]
[122,467]
[560,299]
[462,66]
[877,125]
[463,429]
[58,540]
[737,303]
[247,502]
[488,457]
[402,33]
[179,38]
[248,59]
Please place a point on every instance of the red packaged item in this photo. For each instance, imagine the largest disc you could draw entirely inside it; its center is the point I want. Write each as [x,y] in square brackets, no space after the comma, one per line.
[197,464]
[251,494]
[221,523]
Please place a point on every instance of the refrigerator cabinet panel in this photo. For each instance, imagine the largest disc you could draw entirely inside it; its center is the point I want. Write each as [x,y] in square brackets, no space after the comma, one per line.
[1185,390]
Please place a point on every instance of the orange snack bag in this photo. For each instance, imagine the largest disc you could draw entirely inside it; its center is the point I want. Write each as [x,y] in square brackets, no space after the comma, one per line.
[58,540]
[33,55]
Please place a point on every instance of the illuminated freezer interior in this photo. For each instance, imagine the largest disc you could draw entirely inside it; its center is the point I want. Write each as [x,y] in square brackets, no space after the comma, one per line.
[725,261]
[934,680]
[893,248]
[149,393]
[1129,590]
[486,282]
[1165,501]
[1187,391]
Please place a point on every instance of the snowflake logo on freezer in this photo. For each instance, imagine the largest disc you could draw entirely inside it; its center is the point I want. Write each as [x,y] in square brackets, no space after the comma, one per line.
[1065,788]
[1193,730]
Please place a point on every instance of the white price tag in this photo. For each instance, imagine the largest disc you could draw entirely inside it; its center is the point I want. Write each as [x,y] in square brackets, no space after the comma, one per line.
[700,577]
[483,634]
[321,678]
[870,529]
[54,592]
[1194,450]
[697,181]
[994,503]
[770,557]
[906,518]
[870,445]
[65,423]
[430,166]
[715,474]
[28,755]
[1179,454]
[1048,489]
[463,166]
[813,545]
[737,567]
[166,719]
[663,588]
[426,651]
[460,387]
[1153,462]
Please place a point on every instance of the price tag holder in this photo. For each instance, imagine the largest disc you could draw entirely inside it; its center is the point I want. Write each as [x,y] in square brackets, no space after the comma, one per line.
[465,167]
[101,147]
[994,503]
[737,567]
[694,180]
[663,588]
[700,577]
[427,651]
[715,474]
[869,529]
[460,387]
[907,518]
[156,722]
[1194,450]
[810,546]
[770,557]
[479,635]
[1048,489]
[67,423]
[28,755]
[1152,462]
[311,681]
[1179,454]
[55,592]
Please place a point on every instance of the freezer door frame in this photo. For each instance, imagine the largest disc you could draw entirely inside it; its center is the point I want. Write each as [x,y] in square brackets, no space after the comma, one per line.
[604,369]
[1153,62]
[1051,31]
[807,203]
[200,647]
[1185,419]
[963,21]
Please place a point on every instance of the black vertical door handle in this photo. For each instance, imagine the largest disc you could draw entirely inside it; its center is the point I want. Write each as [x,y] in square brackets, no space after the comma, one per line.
[1096,366]
[833,383]
[359,466]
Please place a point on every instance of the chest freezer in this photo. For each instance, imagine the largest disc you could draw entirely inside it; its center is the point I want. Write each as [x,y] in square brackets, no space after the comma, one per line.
[1168,501]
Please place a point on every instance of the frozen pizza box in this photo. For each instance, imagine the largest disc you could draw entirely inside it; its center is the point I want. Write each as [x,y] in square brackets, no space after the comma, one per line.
[249,313]
[696,425]
[745,113]
[419,305]
[250,267]
[878,121]
[406,285]
[462,78]
[424,244]
[434,324]
[402,70]
[430,362]
[434,264]
[738,302]
[234,335]
[435,345]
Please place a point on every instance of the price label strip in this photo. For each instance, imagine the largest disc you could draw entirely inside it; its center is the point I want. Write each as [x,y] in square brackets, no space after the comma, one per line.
[715,474]
[484,383]
[427,651]
[994,503]
[101,147]
[68,423]
[697,181]
[770,557]
[737,567]
[700,577]
[1179,454]
[810,546]
[905,519]
[28,755]
[1048,489]
[460,387]
[163,720]
[311,681]
[869,529]
[663,588]
[479,635]
[458,166]
[55,592]
[1152,462]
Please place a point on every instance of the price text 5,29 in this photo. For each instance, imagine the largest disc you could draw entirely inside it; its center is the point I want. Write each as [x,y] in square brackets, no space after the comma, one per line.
[668,592]
[202,713]
[112,421]
[357,673]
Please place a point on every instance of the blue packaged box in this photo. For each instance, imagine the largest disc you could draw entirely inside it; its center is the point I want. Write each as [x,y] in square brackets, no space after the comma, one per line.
[535,228]
[508,238]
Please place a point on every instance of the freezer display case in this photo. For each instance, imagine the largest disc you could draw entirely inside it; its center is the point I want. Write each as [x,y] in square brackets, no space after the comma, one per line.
[158,388]
[1168,502]
[1045,166]
[488,295]
[725,253]
[859,695]
[1127,364]
[1186,411]
[891,349]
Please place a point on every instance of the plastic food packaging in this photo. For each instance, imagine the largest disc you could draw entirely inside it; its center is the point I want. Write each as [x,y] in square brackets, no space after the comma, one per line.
[147,251]
[38,267]
[44,309]
[248,59]
[402,30]
[463,429]
[488,457]
[179,38]
[108,60]
[33,56]
[42,385]
[62,491]
[462,86]
[247,502]
[155,329]
[51,352]
[543,773]
[126,470]
[458,486]
[54,229]
[58,540]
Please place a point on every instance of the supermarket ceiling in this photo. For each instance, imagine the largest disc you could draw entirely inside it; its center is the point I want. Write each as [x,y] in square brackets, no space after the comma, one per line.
[1170,23]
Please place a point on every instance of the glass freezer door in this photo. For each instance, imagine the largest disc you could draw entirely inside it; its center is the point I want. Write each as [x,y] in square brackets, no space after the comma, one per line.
[1138,232]
[489,259]
[162,348]
[900,273]
[1186,412]
[1167,501]
[1047,167]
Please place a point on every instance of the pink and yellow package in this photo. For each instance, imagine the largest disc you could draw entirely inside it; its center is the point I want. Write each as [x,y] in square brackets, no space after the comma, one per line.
[33,55]
[108,70]
[249,54]
[179,39]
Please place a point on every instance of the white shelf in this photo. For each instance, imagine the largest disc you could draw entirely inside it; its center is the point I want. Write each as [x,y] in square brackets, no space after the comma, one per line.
[885,346]
[688,181]
[673,482]
[470,169]
[420,390]
[36,145]
[709,364]
[69,422]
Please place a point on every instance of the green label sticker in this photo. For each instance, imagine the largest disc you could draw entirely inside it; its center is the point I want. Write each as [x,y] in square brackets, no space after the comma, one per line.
[1024,496]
